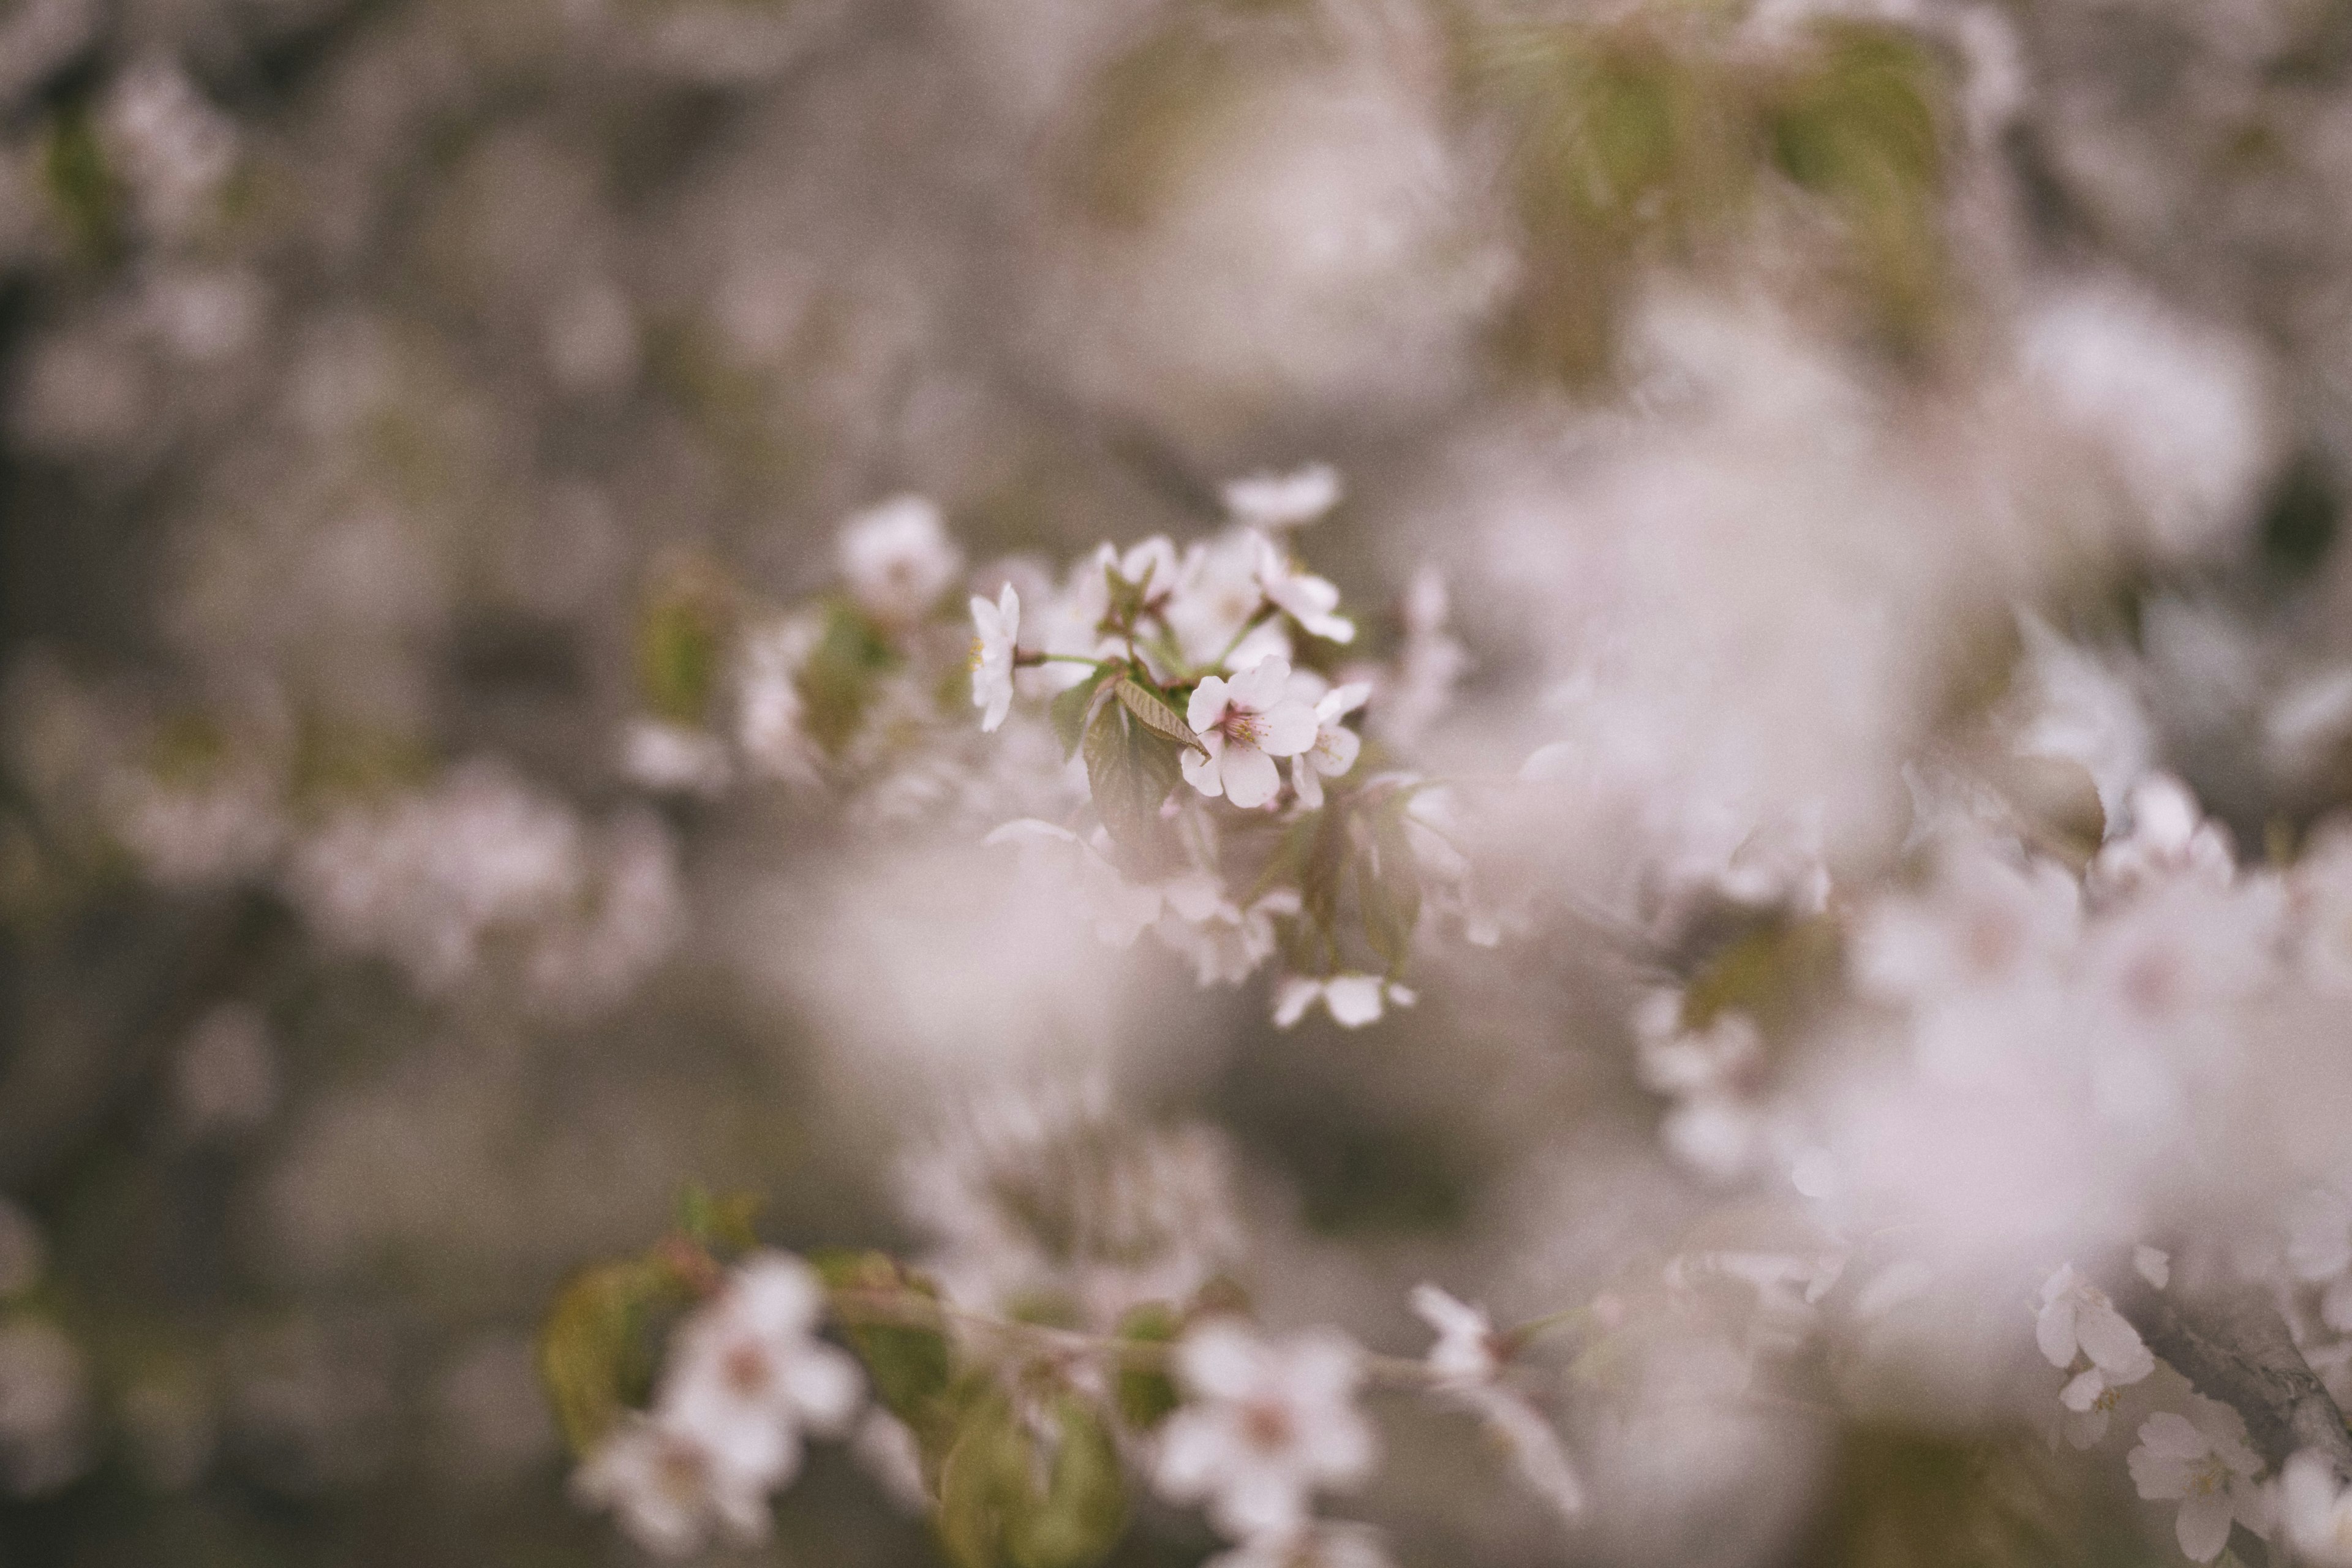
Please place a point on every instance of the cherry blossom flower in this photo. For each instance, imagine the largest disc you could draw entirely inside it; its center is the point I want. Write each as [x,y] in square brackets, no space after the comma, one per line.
[1274,501]
[1226,941]
[1245,724]
[2076,1317]
[2203,1460]
[1309,600]
[1214,599]
[746,1373]
[992,656]
[1468,1370]
[898,560]
[2170,838]
[1265,1425]
[2314,1509]
[1352,1000]
[667,1491]
[674,758]
[771,714]
[1336,746]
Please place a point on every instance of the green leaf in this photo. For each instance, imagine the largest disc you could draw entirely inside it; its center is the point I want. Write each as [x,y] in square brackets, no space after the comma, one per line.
[681,649]
[1040,1489]
[87,194]
[1146,1394]
[717,1225]
[911,1365]
[1071,709]
[1130,769]
[1158,716]
[838,680]
[600,1345]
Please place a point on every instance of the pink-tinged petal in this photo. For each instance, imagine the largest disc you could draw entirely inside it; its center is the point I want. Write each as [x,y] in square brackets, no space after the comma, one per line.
[1204,771]
[1338,1448]
[825,1387]
[777,1295]
[1262,686]
[1292,997]
[2082,1393]
[1354,1000]
[1336,751]
[1342,700]
[2172,1437]
[2159,1478]
[1307,780]
[1289,729]
[1251,778]
[2112,1344]
[986,618]
[2203,1526]
[1008,609]
[1221,1361]
[2053,1331]
[1259,1500]
[1208,705]
[1192,1446]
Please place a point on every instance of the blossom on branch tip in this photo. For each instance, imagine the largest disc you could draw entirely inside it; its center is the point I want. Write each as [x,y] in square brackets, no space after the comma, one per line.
[1468,1369]
[2315,1511]
[747,1373]
[898,560]
[2203,1461]
[1309,600]
[1244,725]
[1271,501]
[2074,1316]
[668,1492]
[999,626]
[1352,1000]
[1336,746]
[1264,1425]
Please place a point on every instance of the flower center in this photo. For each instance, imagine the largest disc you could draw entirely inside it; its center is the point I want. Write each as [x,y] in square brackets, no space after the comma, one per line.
[1242,726]
[1267,1424]
[748,1370]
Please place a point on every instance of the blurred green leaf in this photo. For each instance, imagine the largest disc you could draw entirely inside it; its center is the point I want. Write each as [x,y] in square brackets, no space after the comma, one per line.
[1070,711]
[838,680]
[720,1225]
[1146,1394]
[1130,769]
[1388,884]
[599,1348]
[911,1365]
[1034,1489]
[87,195]
[681,647]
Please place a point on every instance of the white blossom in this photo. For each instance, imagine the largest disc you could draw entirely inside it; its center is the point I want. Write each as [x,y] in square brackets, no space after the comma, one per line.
[2076,1317]
[1244,725]
[668,1492]
[2203,1460]
[2314,1512]
[1309,600]
[1352,1000]
[746,1374]
[898,560]
[1468,1370]
[2169,838]
[1336,746]
[674,758]
[1265,1425]
[1274,501]
[999,626]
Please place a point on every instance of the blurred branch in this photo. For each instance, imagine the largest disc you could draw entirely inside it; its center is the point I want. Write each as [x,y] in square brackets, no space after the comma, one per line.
[2235,1347]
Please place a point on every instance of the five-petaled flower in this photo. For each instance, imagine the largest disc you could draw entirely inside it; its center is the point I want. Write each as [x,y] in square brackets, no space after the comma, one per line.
[1265,1425]
[1336,746]
[2075,1316]
[1311,601]
[2203,1460]
[1244,725]
[992,655]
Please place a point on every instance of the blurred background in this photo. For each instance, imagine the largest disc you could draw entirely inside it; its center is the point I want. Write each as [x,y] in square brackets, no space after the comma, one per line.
[380,381]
